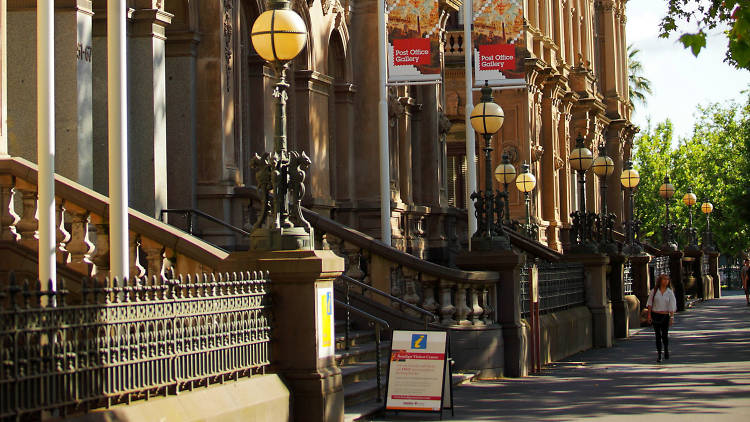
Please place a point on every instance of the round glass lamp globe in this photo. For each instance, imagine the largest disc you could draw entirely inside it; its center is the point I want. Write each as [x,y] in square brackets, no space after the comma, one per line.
[487,118]
[666,190]
[689,199]
[279,35]
[630,179]
[525,182]
[581,159]
[707,208]
[603,166]
[505,173]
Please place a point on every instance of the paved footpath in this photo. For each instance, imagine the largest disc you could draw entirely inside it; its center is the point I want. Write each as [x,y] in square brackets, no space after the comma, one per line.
[706,379]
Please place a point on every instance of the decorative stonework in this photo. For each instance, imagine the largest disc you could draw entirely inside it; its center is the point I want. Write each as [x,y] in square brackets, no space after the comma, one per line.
[228,29]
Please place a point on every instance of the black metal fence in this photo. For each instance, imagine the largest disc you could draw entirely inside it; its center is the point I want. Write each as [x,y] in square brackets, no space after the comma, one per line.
[561,286]
[627,277]
[659,265]
[731,276]
[127,342]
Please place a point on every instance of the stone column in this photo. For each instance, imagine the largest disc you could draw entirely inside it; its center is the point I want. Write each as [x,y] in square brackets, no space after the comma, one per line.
[508,265]
[311,105]
[596,297]
[73,84]
[181,108]
[620,312]
[675,270]
[615,151]
[713,270]
[313,378]
[639,271]
[3,79]
[147,126]
[550,185]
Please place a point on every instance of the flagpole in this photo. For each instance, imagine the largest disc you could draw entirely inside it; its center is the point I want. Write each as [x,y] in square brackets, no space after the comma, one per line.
[471,169]
[385,185]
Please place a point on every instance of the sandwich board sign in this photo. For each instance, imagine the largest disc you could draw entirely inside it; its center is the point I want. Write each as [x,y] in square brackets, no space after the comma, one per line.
[418,372]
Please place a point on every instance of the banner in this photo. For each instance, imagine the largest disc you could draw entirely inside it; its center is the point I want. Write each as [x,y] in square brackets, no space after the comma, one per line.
[498,42]
[413,30]
[417,371]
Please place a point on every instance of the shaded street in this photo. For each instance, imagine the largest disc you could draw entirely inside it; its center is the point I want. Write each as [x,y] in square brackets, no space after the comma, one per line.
[707,378]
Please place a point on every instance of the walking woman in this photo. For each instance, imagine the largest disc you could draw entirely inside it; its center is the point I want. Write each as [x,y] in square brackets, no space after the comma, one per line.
[661,308]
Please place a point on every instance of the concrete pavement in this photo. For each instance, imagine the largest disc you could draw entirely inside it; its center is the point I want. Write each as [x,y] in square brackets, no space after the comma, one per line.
[706,379]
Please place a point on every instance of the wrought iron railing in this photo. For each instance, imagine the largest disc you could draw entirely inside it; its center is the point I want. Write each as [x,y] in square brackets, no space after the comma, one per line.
[731,276]
[659,265]
[627,277]
[524,291]
[127,342]
[705,265]
[561,286]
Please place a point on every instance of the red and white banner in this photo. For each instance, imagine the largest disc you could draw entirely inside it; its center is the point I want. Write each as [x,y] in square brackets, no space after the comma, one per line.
[416,373]
[413,29]
[498,42]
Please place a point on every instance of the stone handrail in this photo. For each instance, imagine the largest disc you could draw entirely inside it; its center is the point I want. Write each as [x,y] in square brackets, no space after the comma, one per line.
[156,248]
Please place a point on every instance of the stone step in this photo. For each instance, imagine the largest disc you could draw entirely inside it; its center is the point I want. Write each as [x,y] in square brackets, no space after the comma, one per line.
[361,392]
[356,337]
[361,353]
[361,371]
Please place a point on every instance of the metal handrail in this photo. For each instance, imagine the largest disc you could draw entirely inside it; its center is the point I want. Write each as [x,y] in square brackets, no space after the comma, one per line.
[379,324]
[390,297]
[188,212]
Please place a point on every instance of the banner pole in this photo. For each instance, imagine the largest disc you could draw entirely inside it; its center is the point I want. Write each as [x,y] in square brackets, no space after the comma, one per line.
[385,185]
[471,169]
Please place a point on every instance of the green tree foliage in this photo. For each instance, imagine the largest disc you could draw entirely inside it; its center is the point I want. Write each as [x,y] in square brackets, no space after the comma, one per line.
[709,15]
[714,161]
[639,85]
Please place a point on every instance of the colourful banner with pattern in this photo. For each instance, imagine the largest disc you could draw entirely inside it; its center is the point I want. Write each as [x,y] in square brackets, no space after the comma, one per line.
[413,30]
[498,42]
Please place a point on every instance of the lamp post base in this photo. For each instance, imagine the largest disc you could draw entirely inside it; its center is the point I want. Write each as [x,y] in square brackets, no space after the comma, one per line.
[286,239]
[494,243]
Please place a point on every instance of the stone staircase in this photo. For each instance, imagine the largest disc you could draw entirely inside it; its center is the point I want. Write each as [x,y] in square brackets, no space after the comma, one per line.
[359,369]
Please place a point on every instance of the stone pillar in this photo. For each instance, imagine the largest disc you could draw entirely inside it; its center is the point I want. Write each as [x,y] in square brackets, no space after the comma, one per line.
[620,312]
[615,151]
[675,270]
[508,265]
[73,86]
[147,125]
[596,297]
[639,271]
[550,185]
[314,379]
[713,271]
[180,54]
[3,79]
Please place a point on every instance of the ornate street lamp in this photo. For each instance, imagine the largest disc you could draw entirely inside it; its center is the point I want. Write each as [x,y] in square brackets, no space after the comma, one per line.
[279,35]
[708,244]
[582,232]
[487,119]
[690,199]
[604,167]
[666,191]
[525,182]
[505,173]
[629,180]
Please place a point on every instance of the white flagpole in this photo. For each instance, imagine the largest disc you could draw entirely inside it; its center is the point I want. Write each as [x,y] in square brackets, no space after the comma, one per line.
[471,168]
[117,130]
[45,109]
[385,185]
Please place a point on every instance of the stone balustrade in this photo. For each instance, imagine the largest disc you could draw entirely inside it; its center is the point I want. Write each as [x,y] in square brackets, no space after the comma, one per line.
[156,249]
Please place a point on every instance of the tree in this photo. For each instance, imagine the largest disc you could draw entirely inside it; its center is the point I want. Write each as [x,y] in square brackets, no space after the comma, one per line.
[639,85]
[709,15]
[713,161]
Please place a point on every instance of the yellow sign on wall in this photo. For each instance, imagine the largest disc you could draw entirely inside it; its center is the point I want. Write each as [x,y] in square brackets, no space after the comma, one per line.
[325,322]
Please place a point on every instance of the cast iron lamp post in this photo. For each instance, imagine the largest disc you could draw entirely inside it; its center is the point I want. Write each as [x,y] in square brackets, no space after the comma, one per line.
[629,180]
[690,199]
[666,191]
[487,119]
[526,182]
[505,173]
[604,167]
[708,244]
[279,35]
[581,160]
